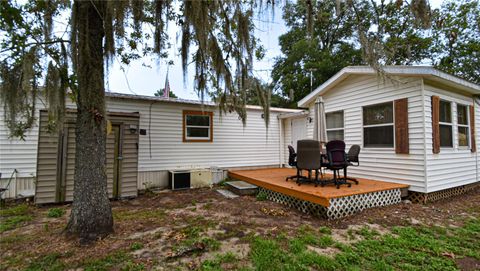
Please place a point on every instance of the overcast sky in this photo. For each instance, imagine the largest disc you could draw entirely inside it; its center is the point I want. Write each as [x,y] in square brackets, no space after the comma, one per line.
[138,79]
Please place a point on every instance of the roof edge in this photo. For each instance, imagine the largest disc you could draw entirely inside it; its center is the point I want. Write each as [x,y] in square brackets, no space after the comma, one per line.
[154,99]
[424,71]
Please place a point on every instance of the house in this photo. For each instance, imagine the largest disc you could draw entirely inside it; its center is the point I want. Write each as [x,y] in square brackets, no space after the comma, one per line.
[152,135]
[416,125]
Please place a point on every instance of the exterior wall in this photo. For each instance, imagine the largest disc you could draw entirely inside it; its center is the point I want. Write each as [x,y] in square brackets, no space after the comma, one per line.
[16,153]
[452,166]
[233,144]
[20,155]
[375,163]
[55,183]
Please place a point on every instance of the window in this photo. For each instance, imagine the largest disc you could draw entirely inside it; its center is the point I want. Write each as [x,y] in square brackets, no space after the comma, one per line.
[463,128]
[445,121]
[335,125]
[378,128]
[197,126]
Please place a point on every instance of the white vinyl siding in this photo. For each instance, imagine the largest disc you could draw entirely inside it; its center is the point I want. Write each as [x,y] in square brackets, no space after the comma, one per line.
[16,153]
[452,166]
[357,91]
[234,145]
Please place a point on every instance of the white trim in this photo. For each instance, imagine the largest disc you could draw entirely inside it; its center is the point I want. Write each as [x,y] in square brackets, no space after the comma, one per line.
[469,141]
[115,95]
[423,71]
[280,142]
[335,129]
[208,127]
[440,123]
[296,114]
[379,125]
[424,117]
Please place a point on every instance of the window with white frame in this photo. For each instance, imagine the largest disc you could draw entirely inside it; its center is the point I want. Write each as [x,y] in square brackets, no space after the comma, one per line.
[197,126]
[446,125]
[335,125]
[378,126]
[463,125]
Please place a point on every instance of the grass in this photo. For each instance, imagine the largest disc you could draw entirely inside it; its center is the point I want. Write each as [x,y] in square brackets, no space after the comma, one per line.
[48,262]
[418,247]
[12,217]
[134,215]
[216,263]
[119,260]
[411,248]
[194,235]
[136,246]
[55,212]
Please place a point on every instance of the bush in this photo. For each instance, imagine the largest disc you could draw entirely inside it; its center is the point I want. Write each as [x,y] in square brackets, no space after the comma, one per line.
[55,212]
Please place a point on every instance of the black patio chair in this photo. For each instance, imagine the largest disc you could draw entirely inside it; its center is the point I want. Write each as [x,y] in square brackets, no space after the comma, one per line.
[308,158]
[337,160]
[292,161]
[352,160]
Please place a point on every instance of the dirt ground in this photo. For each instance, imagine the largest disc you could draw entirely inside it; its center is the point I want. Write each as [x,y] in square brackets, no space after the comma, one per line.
[177,229]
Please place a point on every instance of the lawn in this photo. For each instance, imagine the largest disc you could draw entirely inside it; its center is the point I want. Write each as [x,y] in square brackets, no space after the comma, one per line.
[201,230]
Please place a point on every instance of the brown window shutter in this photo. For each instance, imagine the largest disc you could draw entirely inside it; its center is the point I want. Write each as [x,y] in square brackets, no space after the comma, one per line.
[472,129]
[401,126]
[435,124]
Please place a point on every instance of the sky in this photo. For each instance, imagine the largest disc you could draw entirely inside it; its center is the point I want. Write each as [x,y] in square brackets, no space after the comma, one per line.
[136,78]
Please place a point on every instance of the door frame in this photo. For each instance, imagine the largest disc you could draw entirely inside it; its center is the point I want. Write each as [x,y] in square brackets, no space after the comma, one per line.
[117,129]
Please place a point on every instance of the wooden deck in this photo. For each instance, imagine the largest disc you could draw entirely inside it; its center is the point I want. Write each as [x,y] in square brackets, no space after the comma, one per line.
[274,179]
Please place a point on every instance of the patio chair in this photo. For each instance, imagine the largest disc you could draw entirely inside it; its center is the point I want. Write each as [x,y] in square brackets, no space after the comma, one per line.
[308,158]
[352,160]
[337,160]
[292,161]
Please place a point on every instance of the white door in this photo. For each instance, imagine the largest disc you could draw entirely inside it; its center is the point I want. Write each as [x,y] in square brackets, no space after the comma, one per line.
[299,130]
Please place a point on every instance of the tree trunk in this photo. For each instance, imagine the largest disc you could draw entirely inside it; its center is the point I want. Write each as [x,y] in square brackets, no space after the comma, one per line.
[91,216]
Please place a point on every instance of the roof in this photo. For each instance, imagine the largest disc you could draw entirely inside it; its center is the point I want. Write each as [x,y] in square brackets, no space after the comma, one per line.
[427,72]
[185,101]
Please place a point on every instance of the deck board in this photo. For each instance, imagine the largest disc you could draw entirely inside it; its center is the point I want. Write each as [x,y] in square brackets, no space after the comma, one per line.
[274,179]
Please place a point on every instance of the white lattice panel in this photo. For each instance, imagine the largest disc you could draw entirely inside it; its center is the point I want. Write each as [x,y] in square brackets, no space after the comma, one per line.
[339,207]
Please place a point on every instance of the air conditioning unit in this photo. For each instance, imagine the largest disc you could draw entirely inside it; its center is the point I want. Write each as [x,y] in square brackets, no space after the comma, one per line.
[179,179]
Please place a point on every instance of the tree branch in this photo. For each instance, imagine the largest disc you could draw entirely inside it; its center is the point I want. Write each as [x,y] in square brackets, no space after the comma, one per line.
[36,43]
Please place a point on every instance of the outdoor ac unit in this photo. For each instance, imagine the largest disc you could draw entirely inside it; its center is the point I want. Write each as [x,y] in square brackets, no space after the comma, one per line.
[179,179]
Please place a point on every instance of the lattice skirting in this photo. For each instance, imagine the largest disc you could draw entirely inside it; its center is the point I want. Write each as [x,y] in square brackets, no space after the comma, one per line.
[339,207]
[423,198]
